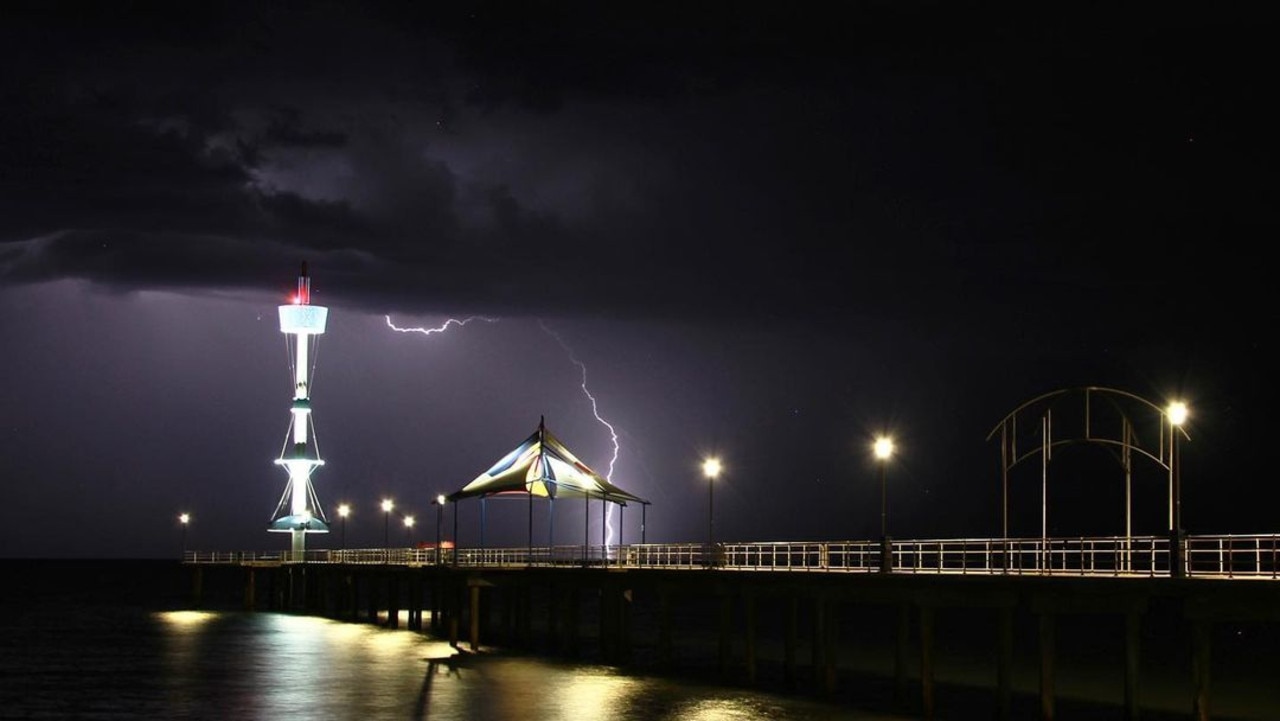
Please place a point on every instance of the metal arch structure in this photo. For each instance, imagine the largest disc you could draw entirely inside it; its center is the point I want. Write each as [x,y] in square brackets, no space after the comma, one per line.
[1119,420]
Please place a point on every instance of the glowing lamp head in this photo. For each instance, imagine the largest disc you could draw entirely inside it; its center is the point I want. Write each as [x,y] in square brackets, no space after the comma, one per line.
[711,468]
[184,518]
[408,521]
[883,448]
[441,500]
[387,505]
[1178,413]
[344,510]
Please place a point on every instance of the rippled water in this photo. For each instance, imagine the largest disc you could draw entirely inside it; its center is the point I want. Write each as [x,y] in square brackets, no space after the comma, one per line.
[75,652]
[202,665]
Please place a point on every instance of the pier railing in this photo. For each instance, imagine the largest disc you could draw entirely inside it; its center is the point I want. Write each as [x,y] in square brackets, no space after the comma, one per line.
[1205,556]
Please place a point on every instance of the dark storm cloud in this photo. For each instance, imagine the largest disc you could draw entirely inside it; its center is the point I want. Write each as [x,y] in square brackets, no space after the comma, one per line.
[725,158]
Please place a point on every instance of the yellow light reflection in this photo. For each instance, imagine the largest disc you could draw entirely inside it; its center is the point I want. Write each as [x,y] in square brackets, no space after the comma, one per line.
[602,694]
[720,709]
[186,619]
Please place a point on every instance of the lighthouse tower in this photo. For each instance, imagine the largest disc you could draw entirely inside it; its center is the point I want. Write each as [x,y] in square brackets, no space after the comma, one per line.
[299,511]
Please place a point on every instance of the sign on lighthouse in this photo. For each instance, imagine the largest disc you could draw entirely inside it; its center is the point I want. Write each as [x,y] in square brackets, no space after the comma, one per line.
[299,511]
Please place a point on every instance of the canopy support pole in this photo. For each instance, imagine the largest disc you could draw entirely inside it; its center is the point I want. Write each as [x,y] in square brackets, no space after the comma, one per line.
[644,511]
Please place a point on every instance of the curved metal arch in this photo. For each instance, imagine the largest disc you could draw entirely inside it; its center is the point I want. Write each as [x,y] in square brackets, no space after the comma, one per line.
[1163,455]
[1127,427]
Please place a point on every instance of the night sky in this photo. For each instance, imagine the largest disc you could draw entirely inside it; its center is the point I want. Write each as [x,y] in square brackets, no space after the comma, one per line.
[767,231]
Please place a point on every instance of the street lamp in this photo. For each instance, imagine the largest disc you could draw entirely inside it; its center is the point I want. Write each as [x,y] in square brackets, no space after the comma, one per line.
[711,469]
[387,505]
[1177,413]
[408,529]
[184,519]
[883,449]
[344,510]
[439,502]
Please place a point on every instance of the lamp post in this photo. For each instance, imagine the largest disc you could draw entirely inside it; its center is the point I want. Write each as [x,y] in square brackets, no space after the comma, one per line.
[184,519]
[883,448]
[439,502]
[387,506]
[1177,413]
[711,469]
[408,529]
[344,510]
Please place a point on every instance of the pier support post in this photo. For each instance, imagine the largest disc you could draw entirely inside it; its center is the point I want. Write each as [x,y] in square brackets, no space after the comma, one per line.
[526,613]
[829,652]
[749,601]
[1046,666]
[1201,635]
[454,600]
[372,610]
[322,580]
[475,617]
[607,632]
[509,599]
[250,578]
[571,623]
[393,601]
[789,651]
[437,608]
[1132,647]
[1004,667]
[900,655]
[197,586]
[415,602]
[624,625]
[276,596]
[664,627]
[926,663]
[726,613]
[555,596]
[819,632]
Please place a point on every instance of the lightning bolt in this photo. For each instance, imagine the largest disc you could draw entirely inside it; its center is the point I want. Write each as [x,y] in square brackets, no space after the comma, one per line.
[595,411]
[573,358]
[440,328]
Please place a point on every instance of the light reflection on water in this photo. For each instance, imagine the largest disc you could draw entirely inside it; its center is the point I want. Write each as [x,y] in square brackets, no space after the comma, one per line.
[270,665]
[185,619]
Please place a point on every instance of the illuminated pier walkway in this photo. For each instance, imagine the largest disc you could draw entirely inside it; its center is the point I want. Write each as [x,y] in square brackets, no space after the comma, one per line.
[805,595]
[1129,589]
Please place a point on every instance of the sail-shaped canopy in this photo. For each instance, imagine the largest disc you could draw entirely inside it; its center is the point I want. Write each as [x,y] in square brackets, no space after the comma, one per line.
[542,466]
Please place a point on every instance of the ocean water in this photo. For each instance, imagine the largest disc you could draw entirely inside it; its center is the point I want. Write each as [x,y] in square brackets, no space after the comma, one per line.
[112,640]
[116,640]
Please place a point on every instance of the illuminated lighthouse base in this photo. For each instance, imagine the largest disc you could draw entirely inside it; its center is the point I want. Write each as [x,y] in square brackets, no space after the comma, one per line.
[294,513]
[299,511]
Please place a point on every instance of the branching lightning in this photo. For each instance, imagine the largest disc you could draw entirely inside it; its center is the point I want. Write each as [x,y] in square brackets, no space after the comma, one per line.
[573,358]
[440,328]
[595,411]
